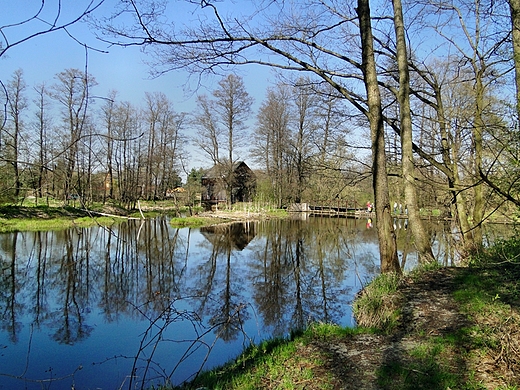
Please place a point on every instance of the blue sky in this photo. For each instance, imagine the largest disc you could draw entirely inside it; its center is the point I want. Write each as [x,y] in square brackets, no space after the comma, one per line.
[44,56]
[121,69]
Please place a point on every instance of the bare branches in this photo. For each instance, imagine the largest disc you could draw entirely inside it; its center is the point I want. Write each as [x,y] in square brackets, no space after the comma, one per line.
[219,42]
[155,335]
[51,26]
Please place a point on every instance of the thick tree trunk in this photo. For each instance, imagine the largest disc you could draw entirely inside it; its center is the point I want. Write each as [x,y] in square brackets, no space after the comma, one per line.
[422,241]
[385,229]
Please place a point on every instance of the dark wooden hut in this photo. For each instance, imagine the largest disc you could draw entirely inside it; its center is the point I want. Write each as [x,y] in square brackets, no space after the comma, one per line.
[219,183]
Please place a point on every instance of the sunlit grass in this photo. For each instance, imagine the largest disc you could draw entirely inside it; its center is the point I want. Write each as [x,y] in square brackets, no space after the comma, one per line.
[194,221]
[277,363]
[379,303]
[17,224]
[37,217]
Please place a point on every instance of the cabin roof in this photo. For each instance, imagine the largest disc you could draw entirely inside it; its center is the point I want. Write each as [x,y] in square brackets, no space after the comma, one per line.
[215,171]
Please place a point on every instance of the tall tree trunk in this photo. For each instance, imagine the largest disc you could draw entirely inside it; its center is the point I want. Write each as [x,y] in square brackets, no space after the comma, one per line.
[449,158]
[17,104]
[150,149]
[515,21]
[478,131]
[41,139]
[462,211]
[422,241]
[17,183]
[385,229]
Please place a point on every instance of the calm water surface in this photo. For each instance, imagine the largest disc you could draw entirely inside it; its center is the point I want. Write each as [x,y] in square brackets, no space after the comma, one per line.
[142,302]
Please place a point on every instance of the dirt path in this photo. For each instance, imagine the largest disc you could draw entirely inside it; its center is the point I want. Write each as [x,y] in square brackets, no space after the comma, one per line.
[408,358]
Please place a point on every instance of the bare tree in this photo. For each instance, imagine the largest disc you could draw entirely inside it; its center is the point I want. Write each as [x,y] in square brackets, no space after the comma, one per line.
[41,127]
[442,80]
[43,19]
[38,23]
[152,113]
[129,136]
[385,230]
[515,23]
[473,32]
[309,36]
[72,92]
[306,125]
[233,106]
[17,103]
[270,146]
[163,145]
[208,136]
[221,126]
[422,240]
[108,113]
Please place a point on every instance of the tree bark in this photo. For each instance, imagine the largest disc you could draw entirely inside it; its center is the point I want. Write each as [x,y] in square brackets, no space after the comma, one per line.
[385,230]
[449,157]
[17,105]
[514,6]
[422,241]
[478,131]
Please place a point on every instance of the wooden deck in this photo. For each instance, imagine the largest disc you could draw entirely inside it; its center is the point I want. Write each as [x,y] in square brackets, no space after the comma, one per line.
[330,209]
[347,210]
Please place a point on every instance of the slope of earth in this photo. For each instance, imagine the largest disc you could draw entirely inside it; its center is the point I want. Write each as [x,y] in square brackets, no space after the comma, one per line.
[458,329]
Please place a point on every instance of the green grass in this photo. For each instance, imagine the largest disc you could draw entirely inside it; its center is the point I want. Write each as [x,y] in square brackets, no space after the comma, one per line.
[277,363]
[11,225]
[44,218]
[488,294]
[378,304]
[194,221]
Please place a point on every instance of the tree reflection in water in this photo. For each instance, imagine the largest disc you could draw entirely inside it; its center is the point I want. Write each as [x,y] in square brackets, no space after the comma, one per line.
[143,303]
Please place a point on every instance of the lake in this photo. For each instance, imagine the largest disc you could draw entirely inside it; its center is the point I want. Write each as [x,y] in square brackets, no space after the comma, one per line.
[142,303]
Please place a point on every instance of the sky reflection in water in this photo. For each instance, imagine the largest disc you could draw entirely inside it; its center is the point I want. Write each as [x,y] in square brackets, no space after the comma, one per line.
[89,307]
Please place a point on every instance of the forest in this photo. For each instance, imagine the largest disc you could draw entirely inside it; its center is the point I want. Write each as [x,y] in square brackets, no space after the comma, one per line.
[407,101]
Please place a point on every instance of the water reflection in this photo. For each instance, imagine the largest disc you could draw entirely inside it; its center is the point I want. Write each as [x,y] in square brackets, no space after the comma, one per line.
[144,302]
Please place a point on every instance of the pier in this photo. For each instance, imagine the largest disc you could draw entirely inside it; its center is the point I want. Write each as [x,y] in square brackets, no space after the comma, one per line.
[331,209]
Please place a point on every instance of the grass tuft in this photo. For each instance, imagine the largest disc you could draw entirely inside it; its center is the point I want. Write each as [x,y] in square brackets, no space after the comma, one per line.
[378,305]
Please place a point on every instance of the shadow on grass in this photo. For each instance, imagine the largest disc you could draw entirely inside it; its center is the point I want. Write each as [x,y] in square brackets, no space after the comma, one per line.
[440,337]
[459,324]
[45,212]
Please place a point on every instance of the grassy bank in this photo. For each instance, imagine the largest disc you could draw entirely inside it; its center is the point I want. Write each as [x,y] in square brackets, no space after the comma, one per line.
[41,218]
[277,364]
[456,328]
[33,217]
[180,222]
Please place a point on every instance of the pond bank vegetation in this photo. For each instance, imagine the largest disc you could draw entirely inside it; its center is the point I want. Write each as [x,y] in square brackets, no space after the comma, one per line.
[41,218]
[32,217]
[435,328]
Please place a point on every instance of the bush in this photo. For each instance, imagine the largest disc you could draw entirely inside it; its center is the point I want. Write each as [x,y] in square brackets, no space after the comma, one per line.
[501,252]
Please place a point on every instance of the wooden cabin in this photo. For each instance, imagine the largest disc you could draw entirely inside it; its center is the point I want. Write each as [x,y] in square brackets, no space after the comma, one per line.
[218,184]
